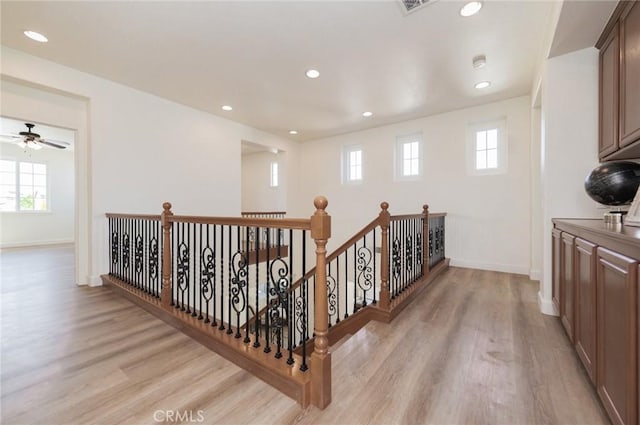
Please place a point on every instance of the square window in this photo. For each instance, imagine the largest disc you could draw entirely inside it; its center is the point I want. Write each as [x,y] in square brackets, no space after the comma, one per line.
[23,186]
[487,148]
[408,156]
[352,164]
[273,181]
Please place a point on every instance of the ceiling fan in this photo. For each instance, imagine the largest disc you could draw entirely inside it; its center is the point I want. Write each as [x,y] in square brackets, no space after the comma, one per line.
[29,139]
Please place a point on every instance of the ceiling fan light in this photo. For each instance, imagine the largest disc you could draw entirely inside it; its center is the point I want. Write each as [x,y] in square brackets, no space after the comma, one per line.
[36,36]
[471,8]
[35,146]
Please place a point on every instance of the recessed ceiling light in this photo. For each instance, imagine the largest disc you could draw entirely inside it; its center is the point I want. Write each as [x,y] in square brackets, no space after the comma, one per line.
[471,8]
[293,132]
[227,108]
[36,36]
[313,73]
[482,84]
[367,114]
[479,61]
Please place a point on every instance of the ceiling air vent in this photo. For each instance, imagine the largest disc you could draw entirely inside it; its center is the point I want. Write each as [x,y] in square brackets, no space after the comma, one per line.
[409,6]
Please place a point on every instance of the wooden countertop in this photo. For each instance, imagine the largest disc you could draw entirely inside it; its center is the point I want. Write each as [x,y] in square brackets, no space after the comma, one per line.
[620,238]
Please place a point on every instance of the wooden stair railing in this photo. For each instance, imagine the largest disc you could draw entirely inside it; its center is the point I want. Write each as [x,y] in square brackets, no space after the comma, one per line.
[399,235]
[202,276]
[198,274]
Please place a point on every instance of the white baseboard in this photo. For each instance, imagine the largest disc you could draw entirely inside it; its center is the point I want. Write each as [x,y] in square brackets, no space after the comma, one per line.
[546,306]
[535,275]
[36,243]
[94,281]
[505,268]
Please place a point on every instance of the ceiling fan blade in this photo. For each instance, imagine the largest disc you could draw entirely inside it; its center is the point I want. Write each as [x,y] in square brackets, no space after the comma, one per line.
[9,139]
[54,144]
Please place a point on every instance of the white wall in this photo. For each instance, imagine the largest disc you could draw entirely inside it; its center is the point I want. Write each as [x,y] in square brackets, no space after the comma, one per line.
[536,195]
[142,150]
[489,216]
[55,225]
[257,193]
[569,146]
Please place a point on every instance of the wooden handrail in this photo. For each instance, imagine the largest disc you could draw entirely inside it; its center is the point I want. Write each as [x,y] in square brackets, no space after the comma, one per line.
[405,217]
[436,215]
[134,216]
[287,223]
[243,213]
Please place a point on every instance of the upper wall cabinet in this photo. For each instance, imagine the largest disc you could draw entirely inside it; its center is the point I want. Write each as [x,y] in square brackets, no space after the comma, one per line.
[630,75]
[619,121]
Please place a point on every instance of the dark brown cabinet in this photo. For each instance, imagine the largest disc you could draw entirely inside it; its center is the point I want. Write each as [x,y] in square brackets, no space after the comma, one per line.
[619,84]
[609,88]
[567,287]
[557,265]
[599,266]
[617,332]
[630,75]
[585,305]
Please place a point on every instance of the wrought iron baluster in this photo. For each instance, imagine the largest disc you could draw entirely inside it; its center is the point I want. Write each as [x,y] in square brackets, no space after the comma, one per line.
[355,278]
[246,307]
[375,276]
[290,318]
[221,279]
[214,322]
[256,318]
[229,330]
[337,294]
[346,284]
[267,329]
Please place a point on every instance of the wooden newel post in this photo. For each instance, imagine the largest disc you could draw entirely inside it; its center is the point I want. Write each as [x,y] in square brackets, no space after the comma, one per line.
[425,241]
[385,220]
[321,358]
[166,295]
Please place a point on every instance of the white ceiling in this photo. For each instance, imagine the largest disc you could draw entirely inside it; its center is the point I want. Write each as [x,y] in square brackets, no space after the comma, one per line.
[253,55]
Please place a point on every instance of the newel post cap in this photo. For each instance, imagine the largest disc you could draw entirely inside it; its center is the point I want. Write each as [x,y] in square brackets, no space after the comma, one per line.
[320,202]
[384,205]
[320,220]
[166,206]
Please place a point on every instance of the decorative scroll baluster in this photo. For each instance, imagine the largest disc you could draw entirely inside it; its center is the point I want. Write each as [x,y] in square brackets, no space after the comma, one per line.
[365,277]
[332,296]
[238,283]
[278,299]
[208,277]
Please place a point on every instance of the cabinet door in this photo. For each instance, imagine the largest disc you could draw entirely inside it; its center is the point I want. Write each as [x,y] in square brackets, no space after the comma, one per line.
[630,74]
[585,305]
[557,264]
[616,336]
[609,88]
[567,311]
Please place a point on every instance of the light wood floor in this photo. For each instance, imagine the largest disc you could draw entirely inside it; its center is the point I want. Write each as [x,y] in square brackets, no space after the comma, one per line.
[473,349]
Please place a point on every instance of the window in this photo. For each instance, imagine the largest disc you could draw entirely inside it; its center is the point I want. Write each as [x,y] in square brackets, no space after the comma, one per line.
[409,157]
[352,164]
[274,174]
[487,148]
[23,186]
